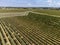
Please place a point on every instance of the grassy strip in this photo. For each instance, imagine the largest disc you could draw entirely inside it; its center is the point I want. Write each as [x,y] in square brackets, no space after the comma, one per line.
[52,12]
[12,10]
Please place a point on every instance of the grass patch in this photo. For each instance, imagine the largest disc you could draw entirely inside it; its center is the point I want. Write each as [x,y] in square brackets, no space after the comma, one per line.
[51,12]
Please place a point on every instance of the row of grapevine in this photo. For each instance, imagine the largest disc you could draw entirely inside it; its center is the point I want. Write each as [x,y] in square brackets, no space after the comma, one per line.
[25,34]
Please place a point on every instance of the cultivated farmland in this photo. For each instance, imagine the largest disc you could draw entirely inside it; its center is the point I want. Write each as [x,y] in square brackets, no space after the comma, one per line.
[33,29]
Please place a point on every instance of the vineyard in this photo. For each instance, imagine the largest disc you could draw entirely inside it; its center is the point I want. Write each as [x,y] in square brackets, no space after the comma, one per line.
[33,29]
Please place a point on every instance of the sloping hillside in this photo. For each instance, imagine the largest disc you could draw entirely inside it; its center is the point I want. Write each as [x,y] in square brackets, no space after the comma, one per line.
[33,29]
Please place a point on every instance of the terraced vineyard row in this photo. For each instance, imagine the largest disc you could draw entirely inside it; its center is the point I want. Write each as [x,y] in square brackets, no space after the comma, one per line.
[21,31]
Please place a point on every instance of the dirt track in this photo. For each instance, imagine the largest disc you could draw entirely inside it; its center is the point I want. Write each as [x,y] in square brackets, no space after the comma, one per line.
[2,15]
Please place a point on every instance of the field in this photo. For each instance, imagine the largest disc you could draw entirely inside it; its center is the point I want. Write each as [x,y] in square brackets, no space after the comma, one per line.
[32,29]
[48,11]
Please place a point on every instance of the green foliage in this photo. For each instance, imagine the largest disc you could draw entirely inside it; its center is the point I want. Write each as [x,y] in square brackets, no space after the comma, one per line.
[43,18]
